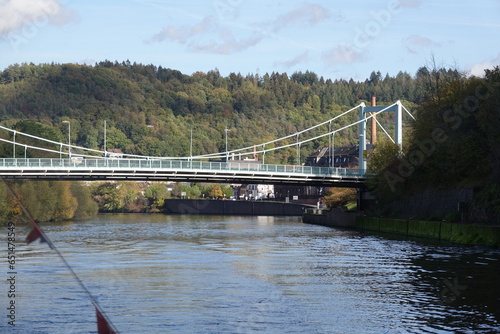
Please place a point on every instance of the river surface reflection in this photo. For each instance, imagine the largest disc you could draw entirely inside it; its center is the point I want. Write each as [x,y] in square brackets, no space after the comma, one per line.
[214,274]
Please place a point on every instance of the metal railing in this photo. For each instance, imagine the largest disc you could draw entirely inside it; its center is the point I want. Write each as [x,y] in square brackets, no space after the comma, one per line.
[109,163]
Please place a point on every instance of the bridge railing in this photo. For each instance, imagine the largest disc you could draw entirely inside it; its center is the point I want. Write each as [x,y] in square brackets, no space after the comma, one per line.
[80,163]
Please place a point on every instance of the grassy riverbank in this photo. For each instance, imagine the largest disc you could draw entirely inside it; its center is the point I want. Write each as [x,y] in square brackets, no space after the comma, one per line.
[454,232]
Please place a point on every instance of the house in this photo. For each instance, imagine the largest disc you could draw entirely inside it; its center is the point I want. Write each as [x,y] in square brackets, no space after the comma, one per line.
[114,153]
[253,191]
[340,157]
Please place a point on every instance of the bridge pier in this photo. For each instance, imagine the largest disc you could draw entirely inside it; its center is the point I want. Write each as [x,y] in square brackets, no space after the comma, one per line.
[365,199]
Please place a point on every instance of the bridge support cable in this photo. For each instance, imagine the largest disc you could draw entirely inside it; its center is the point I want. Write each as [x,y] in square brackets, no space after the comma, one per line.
[74,147]
[329,145]
[218,155]
[250,150]
[92,152]
[332,155]
[408,112]
[381,109]
[14,145]
[385,131]
[373,111]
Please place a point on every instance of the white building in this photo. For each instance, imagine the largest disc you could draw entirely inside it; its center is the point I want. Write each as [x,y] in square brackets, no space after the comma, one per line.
[260,191]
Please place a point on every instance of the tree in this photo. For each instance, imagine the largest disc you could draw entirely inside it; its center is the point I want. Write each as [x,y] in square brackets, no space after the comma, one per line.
[107,197]
[116,139]
[339,196]
[86,207]
[66,204]
[180,188]
[39,200]
[215,191]
[156,194]
[4,202]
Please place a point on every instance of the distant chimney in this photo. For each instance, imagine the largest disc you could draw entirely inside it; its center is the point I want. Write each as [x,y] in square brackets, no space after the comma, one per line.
[374,121]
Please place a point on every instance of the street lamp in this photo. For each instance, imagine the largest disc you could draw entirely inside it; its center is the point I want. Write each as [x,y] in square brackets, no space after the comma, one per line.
[191,145]
[14,146]
[69,137]
[105,138]
[226,130]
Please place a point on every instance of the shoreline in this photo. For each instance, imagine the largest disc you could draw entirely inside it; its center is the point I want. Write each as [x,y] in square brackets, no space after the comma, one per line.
[466,234]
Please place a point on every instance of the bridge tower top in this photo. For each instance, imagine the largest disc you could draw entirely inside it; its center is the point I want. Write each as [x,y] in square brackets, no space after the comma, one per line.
[369,112]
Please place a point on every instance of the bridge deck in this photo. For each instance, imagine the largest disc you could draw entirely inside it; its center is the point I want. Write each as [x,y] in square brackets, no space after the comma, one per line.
[176,170]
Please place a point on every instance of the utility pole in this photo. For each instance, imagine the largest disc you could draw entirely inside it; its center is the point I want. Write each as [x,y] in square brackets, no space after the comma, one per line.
[105,138]
[374,121]
[226,130]
[69,137]
[191,145]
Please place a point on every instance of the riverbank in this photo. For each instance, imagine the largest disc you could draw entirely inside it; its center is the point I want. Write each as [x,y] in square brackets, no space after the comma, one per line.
[220,207]
[446,231]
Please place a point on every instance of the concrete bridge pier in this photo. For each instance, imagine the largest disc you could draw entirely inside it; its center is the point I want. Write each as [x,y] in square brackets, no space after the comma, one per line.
[366,200]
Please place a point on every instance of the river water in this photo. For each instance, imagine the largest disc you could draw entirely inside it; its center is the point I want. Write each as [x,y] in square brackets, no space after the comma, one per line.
[215,274]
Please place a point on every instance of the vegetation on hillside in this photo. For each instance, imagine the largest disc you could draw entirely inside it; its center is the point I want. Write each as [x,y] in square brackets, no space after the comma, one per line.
[455,143]
[152,110]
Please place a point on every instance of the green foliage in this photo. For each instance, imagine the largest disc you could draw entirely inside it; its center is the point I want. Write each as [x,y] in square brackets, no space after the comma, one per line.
[156,194]
[381,164]
[108,198]
[181,190]
[455,142]
[227,191]
[49,200]
[339,196]
[215,191]
[66,203]
[4,202]
[39,200]
[150,110]
[87,207]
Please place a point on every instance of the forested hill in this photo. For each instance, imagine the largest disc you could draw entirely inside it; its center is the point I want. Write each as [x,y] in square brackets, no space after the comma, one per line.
[151,110]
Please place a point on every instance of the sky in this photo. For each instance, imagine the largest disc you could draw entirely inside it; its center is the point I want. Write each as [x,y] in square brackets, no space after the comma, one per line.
[335,39]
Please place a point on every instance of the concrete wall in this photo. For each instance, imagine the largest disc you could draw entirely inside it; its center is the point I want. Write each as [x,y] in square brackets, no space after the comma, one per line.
[454,232]
[238,208]
[431,204]
[336,217]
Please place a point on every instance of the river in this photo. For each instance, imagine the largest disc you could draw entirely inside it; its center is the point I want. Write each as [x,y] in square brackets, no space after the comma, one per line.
[230,274]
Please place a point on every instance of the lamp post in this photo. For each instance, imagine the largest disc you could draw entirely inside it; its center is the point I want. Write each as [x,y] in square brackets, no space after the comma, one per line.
[69,137]
[105,138]
[191,145]
[226,130]
[14,146]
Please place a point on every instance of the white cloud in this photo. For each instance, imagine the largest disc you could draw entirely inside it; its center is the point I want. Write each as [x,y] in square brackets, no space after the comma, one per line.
[343,54]
[16,14]
[309,13]
[478,69]
[222,38]
[184,34]
[295,61]
[408,3]
[415,43]
[229,46]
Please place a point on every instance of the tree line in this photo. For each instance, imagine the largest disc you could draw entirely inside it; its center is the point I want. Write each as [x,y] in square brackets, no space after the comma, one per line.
[63,200]
[453,144]
[152,110]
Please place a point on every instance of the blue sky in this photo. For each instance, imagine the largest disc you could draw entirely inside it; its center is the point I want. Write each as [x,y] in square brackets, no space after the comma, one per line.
[335,39]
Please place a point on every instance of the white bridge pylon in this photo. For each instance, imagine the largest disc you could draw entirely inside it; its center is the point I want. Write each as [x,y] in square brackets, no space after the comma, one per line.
[373,111]
[365,114]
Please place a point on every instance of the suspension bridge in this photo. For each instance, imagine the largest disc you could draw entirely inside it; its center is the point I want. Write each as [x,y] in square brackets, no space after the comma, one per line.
[71,162]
